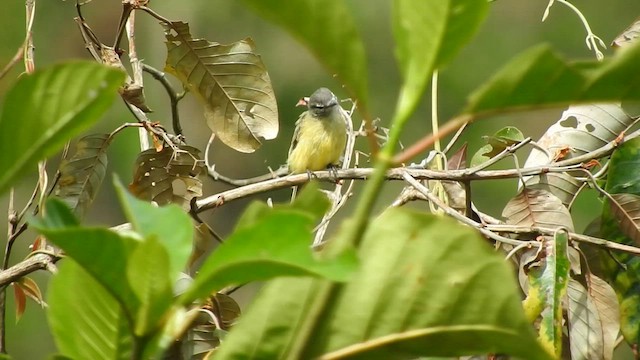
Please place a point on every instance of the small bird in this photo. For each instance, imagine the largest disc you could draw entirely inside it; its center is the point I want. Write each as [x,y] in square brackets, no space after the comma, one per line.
[320,135]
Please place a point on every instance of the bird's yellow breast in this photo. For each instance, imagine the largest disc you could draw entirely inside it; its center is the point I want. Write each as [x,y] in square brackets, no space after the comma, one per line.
[321,142]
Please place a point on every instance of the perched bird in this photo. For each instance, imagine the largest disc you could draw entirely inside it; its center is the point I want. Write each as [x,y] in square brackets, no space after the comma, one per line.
[320,135]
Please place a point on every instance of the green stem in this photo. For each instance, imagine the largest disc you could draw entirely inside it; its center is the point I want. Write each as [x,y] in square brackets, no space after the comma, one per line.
[384,161]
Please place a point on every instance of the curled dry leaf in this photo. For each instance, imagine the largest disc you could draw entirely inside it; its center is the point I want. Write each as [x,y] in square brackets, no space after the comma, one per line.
[132,92]
[582,128]
[230,81]
[20,300]
[169,176]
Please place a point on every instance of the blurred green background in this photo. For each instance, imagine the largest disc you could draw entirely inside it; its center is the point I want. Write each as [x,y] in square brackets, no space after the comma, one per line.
[512,26]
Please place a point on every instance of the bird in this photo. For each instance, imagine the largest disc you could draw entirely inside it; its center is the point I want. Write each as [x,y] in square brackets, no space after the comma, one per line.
[320,135]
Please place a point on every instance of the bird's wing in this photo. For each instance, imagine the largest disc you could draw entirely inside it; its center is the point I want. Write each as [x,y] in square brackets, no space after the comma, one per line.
[296,134]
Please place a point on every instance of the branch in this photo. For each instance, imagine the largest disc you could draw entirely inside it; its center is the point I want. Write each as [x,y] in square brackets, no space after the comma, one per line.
[174,97]
[514,229]
[219,199]
[36,262]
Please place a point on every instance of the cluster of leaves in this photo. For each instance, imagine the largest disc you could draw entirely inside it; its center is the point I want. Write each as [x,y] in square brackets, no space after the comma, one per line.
[396,287]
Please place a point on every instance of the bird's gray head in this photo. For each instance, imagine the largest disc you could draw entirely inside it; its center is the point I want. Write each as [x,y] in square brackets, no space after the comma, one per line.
[322,102]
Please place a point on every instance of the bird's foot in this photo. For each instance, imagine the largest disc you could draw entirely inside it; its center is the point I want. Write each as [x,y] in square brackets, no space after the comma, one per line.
[333,171]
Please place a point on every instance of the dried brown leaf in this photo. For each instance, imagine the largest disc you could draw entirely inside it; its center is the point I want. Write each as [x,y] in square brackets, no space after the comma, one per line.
[82,174]
[458,160]
[32,290]
[582,128]
[20,300]
[585,327]
[606,301]
[536,207]
[230,81]
[168,176]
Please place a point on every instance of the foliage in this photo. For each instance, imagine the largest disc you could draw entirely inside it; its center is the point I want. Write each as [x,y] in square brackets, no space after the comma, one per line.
[397,285]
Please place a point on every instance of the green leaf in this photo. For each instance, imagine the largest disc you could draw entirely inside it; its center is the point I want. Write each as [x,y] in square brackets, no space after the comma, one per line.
[554,281]
[101,252]
[502,139]
[148,275]
[82,174]
[85,319]
[231,82]
[169,224]
[310,201]
[278,244]
[44,110]
[539,77]
[328,30]
[57,215]
[428,34]
[436,289]
[622,269]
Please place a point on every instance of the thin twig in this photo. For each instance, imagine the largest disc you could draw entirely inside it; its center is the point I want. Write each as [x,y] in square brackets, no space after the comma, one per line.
[337,198]
[127,10]
[455,137]
[135,63]
[281,171]
[514,229]
[456,215]
[14,60]
[173,96]
[29,66]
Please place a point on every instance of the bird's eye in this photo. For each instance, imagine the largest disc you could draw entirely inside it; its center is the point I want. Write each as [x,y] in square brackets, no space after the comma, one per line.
[317,106]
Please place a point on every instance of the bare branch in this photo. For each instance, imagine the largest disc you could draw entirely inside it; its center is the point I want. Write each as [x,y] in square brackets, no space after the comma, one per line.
[573,236]
[41,261]
[363,174]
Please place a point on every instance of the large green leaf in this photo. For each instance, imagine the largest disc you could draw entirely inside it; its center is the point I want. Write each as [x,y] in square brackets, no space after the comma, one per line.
[328,30]
[428,34]
[86,321]
[539,77]
[169,224]
[82,174]
[44,110]
[427,287]
[148,274]
[622,269]
[554,277]
[276,244]
[103,253]
[231,82]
